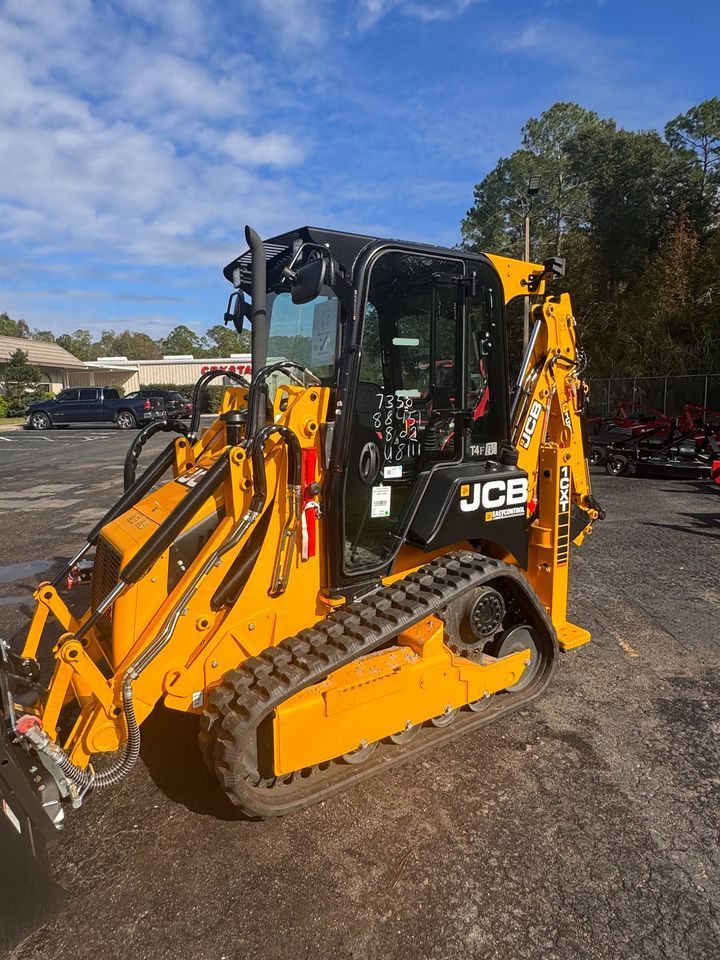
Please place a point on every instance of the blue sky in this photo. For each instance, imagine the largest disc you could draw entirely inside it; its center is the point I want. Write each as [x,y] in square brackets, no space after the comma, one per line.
[138,137]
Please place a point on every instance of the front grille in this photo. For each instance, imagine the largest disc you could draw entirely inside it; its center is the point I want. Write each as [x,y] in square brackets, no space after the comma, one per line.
[106,573]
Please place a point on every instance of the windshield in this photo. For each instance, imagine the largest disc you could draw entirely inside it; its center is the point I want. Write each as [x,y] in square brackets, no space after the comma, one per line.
[306,333]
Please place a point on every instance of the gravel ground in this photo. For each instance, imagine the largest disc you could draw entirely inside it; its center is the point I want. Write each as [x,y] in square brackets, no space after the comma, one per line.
[585,826]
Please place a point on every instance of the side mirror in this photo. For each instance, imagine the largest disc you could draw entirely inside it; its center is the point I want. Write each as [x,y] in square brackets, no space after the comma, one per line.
[234,313]
[309,281]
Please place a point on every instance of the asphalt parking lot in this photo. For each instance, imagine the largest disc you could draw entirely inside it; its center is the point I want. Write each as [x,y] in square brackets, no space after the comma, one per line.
[586,826]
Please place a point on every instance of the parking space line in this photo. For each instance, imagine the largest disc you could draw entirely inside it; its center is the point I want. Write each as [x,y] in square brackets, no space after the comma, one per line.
[625,645]
[66,439]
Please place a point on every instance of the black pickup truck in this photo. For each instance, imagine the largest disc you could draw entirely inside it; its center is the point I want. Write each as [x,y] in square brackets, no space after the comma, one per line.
[94,405]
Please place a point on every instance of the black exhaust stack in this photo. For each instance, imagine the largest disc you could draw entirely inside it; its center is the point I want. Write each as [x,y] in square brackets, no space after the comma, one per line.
[258,318]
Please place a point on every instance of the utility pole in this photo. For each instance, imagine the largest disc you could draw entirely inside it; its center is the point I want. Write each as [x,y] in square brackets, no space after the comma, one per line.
[533,188]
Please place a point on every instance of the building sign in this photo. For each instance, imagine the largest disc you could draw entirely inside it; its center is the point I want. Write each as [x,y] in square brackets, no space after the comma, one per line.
[242,368]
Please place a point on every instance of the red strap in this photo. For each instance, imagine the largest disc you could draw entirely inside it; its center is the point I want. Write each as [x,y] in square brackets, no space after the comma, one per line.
[309,475]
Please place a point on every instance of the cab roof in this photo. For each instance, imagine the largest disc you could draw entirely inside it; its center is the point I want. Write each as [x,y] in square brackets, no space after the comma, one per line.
[345,248]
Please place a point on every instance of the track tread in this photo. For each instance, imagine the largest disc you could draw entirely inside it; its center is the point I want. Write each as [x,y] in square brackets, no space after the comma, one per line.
[248,694]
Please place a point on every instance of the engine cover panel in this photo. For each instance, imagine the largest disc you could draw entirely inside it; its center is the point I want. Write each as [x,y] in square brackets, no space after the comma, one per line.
[474,501]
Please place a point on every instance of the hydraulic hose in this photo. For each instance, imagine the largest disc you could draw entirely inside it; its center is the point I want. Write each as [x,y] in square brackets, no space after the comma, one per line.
[200,385]
[257,392]
[87,779]
[230,587]
[135,449]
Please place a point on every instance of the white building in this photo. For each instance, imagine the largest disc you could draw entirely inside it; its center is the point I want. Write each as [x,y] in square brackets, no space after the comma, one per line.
[134,374]
[61,369]
[58,367]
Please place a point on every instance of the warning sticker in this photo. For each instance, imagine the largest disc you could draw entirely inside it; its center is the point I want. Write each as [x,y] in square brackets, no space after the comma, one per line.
[322,351]
[193,478]
[380,504]
[11,816]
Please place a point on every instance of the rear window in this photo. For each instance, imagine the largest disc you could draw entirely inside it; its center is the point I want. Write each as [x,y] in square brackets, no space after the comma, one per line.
[112,395]
[176,396]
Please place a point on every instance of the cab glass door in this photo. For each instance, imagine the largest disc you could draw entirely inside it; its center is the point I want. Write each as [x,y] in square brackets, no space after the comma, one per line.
[407,414]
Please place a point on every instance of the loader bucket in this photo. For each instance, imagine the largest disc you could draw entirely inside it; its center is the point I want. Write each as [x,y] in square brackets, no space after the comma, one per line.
[28,895]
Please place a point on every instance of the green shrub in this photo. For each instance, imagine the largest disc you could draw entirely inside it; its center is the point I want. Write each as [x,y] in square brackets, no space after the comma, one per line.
[3,407]
[185,389]
[212,398]
[37,395]
[16,403]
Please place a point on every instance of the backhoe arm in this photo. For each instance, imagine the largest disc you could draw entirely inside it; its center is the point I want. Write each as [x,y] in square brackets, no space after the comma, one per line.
[548,430]
[548,407]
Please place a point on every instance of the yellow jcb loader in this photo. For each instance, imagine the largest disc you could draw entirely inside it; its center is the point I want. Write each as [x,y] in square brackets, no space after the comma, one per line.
[364,555]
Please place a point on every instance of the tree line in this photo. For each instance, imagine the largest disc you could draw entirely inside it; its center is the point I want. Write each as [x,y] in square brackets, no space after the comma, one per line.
[636,214]
[218,341]
[637,217]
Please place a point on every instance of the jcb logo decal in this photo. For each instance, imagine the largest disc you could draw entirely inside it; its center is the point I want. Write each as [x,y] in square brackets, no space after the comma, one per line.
[530,424]
[493,494]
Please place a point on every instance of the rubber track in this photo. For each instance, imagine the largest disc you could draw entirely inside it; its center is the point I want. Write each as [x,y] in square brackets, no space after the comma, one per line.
[248,695]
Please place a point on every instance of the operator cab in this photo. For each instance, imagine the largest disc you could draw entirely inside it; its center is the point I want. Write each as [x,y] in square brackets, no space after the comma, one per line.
[411,339]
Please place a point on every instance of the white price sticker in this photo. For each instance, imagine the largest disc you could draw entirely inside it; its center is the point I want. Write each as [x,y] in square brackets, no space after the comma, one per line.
[392,473]
[380,504]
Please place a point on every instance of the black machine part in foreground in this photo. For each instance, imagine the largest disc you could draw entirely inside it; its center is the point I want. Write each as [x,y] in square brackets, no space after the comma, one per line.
[28,894]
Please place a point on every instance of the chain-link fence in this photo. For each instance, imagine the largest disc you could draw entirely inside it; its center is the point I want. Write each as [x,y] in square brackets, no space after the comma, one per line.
[669,395]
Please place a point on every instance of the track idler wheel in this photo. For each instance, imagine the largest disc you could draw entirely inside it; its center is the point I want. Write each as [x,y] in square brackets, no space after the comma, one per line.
[520,638]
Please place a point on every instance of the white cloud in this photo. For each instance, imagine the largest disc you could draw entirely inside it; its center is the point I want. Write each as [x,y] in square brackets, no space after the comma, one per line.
[146,85]
[297,23]
[371,12]
[272,149]
[119,141]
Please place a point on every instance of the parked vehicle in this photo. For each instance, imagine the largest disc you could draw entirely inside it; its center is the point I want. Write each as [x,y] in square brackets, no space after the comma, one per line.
[177,406]
[94,405]
[632,424]
[679,453]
